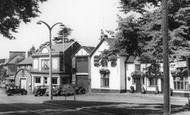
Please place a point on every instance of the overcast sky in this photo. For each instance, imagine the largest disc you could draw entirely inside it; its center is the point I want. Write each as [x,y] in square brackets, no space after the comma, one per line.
[85,17]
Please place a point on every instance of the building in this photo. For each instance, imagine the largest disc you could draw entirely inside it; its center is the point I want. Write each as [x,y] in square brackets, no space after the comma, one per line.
[23,77]
[81,65]
[110,76]
[11,65]
[121,75]
[61,64]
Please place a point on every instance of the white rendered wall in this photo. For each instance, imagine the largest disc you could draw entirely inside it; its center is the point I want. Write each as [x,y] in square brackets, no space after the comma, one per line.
[114,81]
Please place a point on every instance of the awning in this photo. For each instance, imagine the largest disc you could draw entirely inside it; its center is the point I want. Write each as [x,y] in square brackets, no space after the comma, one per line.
[180,72]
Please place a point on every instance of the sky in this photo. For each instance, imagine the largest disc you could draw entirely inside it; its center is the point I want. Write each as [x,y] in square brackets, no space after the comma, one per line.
[85,17]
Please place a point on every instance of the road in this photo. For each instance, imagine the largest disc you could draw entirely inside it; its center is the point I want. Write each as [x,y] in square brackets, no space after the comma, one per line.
[89,104]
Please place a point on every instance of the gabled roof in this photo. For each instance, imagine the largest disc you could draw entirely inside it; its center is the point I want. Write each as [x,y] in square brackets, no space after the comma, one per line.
[61,46]
[56,49]
[26,61]
[88,49]
[15,60]
[110,42]
[131,59]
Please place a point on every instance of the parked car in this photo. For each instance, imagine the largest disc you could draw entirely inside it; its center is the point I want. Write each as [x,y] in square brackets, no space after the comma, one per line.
[80,90]
[56,91]
[70,89]
[67,90]
[40,90]
[12,90]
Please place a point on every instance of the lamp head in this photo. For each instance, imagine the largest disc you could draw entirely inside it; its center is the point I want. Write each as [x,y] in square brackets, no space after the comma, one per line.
[39,22]
[62,25]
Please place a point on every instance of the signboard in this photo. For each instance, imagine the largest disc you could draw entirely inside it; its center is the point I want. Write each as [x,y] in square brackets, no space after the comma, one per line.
[180,64]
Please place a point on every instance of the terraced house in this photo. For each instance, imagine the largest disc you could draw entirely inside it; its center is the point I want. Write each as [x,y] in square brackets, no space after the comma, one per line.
[61,64]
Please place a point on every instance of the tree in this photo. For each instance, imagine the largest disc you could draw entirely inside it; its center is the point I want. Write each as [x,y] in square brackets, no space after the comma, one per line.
[13,12]
[31,51]
[149,28]
[63,35]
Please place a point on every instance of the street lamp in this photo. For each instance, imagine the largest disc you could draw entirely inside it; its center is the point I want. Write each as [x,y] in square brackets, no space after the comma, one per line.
[50,55]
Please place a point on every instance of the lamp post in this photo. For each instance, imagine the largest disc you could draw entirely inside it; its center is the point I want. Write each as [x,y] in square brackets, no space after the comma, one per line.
[167,109]
[50,54]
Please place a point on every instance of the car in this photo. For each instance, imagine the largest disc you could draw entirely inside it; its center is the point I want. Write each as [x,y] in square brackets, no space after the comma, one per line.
[70,89]
[80,90]
[67,90]
[40,90]
[56,91]
[12,90]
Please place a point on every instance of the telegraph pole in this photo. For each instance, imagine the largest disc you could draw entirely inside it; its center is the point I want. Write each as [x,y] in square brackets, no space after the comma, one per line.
[165,57]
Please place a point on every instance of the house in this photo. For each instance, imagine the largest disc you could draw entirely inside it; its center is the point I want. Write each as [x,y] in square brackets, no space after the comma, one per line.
[81,65]
[132,72]
[61,64]
[109,76]
[23,75]
[146,76]
[11,65]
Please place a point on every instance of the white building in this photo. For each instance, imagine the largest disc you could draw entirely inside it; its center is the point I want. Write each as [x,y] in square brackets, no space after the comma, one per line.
[124,74]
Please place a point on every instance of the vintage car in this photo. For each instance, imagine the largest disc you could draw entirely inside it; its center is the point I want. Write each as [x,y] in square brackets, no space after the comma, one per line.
[56,91]
[70,89]
[40,90]
[12,90]
[80,90]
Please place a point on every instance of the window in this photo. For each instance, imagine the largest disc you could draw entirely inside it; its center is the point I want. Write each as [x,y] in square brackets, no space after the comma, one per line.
[113,63]
[152,81]
[137,67]
[37,79]
[54,80]
[96,61]
[45,64]
[180,83]
[104,63]
[45,80]
[104,80]
[82,64]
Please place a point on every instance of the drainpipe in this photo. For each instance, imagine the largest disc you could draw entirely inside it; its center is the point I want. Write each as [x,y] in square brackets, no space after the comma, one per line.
[89,74]
[125,76]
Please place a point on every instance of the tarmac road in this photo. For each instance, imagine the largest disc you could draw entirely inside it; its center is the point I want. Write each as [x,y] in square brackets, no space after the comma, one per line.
[89,104]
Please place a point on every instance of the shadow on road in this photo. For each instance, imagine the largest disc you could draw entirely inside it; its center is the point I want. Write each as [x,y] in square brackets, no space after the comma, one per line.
[58,107]
[118,108]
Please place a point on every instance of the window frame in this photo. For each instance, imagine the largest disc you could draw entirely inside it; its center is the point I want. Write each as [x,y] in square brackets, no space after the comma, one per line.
[36,79]
[53,78]
[45,64]
[105,80]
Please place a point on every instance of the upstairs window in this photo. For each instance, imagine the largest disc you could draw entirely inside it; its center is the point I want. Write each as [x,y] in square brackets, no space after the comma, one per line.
[45,64]
[96,61]
[104,63]
[137,67]
[82,64]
